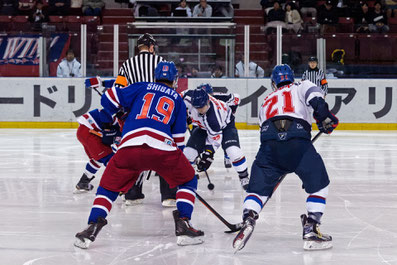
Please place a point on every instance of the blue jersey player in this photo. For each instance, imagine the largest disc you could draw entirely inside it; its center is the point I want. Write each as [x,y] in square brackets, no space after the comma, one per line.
[152,139]
[285,119]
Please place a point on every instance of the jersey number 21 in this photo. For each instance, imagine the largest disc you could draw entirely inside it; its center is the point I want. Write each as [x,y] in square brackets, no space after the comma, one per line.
[272,104]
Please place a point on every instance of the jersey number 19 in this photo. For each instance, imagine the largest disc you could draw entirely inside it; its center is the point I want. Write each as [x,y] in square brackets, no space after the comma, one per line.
[162,112]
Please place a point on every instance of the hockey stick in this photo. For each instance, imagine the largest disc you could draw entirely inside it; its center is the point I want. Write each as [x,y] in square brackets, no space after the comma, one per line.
[233,227]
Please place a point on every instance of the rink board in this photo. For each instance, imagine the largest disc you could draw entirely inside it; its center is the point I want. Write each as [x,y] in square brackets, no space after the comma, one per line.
[56,102]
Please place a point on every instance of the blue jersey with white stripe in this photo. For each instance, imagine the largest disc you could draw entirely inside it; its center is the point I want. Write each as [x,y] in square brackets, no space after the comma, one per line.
[157,115]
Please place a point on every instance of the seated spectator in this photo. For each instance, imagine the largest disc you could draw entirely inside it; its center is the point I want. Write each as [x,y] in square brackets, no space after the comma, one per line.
[292,18]
[202,10]
[93,7]
[69,67]
[217,72]
[327,17]
[223,10]
[38,16]
[391,8]
[193,72]
[183,6]
[379,20]
[275,17]
[75,7]
[308,7]
[254,69]
[363,18]
[58,7]
[25,7]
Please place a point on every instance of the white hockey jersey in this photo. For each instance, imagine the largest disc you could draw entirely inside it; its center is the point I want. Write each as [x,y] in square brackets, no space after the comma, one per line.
[218,116]
[290,100]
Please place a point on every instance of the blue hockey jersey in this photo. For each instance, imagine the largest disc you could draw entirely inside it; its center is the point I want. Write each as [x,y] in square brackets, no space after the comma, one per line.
[95,118]
[157,115]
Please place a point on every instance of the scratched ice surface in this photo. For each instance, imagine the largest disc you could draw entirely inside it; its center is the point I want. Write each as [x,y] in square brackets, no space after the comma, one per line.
[40,215]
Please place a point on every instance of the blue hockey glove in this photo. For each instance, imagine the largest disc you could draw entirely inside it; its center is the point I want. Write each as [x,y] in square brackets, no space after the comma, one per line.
[205,160]
[108,136]
[329,124]
[94,82]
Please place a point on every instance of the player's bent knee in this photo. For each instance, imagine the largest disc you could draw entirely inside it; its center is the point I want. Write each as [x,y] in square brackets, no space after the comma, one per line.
[191,185]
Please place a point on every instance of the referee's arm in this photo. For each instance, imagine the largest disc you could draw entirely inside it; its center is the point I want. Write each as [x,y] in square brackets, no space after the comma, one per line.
[323,83]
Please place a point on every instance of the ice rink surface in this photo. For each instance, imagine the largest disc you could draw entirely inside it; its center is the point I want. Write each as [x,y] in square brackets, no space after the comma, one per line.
[40,214]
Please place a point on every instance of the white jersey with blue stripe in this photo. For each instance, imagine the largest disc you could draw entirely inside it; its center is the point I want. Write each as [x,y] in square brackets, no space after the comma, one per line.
[157,115]
[218,116]
[290,100]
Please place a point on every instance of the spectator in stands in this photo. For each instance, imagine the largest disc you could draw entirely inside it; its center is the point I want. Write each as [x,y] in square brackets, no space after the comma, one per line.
[223,10]
[26,7]
[202,10]
[38,16]
[183,6]
[217,72]
[193,72]
[181,70]
[59,7]
[254,69]
[93,7]
[391,8]
[292,18]
[75,7]
[8,7]
[275,17]
[327,17]
[363,18]
[308,7]
[379,20]
[69,67]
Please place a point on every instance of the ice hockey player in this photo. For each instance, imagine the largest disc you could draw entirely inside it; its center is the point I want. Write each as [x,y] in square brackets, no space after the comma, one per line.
[232,100]
[215,128]
[98,149]
[153,131]
[285,119]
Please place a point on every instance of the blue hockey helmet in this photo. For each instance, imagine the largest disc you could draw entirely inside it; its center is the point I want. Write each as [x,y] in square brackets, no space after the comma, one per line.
[199,98]
[207,88]
[282,73]
[166,71]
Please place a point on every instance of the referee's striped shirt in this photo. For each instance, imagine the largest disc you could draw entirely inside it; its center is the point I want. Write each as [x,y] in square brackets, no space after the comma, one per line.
[317,77]
[139,68]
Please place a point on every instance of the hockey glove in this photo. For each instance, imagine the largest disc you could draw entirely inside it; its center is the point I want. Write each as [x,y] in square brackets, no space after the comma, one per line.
[205,160]
[94,82]
[108,136]
[329,124]
[189,120]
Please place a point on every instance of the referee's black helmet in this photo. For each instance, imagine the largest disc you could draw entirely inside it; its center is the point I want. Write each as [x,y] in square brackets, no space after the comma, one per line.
[146,39]
[313,59]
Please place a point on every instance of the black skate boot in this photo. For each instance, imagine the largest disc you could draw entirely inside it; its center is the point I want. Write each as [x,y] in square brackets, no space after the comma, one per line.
[313,239]
[84,184]
[244,179]
[134,196]
[185,233]
[245,233]
[84,238]
[227,162]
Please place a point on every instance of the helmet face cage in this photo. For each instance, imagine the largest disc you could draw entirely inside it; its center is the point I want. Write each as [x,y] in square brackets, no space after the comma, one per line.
[280,74]
[207,88]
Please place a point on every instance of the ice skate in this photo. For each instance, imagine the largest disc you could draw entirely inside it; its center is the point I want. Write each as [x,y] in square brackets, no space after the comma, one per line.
[86,237]
[245,233]
[185,233]
[134,196]
[84,184]
[312,238]
[169,203]
[244,182]
[226,162]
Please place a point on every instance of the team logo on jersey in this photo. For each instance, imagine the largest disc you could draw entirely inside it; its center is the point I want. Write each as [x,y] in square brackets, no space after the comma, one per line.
[282,136]
[169,142]
[299,126]
[264,128]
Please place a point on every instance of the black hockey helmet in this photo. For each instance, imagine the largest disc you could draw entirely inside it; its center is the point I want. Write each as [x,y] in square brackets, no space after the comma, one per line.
[313,59]
[146,39]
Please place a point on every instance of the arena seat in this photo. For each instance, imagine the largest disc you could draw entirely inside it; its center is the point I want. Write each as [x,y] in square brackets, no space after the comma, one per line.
[346,24]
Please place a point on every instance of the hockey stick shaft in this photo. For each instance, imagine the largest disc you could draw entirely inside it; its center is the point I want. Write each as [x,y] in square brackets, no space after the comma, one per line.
[96,133]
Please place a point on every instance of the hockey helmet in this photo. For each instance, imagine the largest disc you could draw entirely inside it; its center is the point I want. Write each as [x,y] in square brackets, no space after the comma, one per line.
[282,73]
[313,59]
[166,71]
[207,88]
[146,39]
[199,98]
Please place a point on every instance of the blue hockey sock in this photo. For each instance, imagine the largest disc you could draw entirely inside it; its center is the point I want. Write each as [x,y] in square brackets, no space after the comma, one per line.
[185,197]
[102,204]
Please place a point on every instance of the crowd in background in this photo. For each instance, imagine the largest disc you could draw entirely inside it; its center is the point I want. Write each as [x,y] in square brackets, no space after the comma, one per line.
[323,16]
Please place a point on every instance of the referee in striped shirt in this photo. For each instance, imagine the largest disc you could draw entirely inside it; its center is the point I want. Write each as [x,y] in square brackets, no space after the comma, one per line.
[140,68]
[316,75]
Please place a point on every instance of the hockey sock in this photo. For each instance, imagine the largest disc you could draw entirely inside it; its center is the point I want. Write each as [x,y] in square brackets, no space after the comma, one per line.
[243,174]
[106,159]
[237,157]
[254,202]
[185,197]
[240,164]
[315,204]
[91,168]
[102,204]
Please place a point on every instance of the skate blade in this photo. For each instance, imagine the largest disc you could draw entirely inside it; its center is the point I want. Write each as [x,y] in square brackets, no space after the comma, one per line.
[316,245]
[186,240]
[133,202]
[82,244]
[242,238]
[169,203]
[79,191]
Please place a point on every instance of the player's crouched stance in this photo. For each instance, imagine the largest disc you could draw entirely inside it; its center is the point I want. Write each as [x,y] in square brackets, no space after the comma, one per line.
[153,131]
[285,148]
